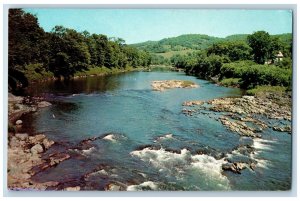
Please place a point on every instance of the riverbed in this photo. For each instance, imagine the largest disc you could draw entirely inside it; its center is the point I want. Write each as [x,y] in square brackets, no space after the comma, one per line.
[122,135]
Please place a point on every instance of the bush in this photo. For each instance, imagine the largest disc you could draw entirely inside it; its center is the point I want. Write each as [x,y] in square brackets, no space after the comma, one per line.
[233,82]
[253,75]
[263,89]
[36,72]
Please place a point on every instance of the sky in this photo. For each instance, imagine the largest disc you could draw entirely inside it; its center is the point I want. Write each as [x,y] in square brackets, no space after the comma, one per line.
[140,25]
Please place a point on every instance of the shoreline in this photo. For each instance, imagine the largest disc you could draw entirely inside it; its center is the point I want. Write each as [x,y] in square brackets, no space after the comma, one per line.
[25,150]
[86,74]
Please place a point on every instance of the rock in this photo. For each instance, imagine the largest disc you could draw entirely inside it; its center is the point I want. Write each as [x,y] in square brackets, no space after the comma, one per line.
[113,187]
[36,149]
[251,98]
[192,103]
[19,122]
[75,188]
[43,104]
[282,129]
[47,143]
[234,167]
[170,84]
[14,99]
[37,138]
[21,136]
[240,166]
[252,166]
[57,158]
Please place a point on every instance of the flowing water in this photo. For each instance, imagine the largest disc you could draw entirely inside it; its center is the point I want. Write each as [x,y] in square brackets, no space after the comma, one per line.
[141,140]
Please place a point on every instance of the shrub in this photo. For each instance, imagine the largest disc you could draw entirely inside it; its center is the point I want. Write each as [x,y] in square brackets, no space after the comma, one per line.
[35,72]
[254,74]
[234,82]
[263,89]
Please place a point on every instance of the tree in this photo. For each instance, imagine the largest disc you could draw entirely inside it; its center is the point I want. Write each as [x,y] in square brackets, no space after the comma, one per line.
[260,42]
[69,52]
[27,43]
[234,50]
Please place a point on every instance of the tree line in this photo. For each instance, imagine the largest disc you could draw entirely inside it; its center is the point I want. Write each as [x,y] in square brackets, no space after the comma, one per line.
[62,52]
[245,64]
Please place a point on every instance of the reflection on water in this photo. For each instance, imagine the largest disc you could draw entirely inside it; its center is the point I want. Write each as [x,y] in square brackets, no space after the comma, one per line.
[75,86]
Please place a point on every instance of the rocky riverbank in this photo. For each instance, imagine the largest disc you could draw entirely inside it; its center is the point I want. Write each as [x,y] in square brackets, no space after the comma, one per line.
[25,150]
[171,84]
[248,116]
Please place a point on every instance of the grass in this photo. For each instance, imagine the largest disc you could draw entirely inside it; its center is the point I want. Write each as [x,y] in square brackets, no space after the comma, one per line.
[169,54]
[261,90]
[187,83]
[230,82]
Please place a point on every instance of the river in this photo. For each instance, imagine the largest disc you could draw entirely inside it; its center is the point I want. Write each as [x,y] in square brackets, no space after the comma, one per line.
[144,141]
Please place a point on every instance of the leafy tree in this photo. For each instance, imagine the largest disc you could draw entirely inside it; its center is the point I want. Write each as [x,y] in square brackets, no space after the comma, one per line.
[234,50]
[69,52]
[27,43]
[260,43]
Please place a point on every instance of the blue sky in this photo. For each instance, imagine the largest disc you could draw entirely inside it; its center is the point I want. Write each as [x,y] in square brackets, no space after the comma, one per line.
[139,25]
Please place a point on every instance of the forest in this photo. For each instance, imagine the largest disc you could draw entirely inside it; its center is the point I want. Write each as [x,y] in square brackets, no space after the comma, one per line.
[62,53]
[248,61]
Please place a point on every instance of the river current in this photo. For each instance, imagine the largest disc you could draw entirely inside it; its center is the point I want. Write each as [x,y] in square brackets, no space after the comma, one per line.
[141,140]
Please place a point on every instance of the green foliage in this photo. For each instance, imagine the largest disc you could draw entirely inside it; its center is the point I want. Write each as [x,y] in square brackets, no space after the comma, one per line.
[254,75]
[264,89]
[94,70]
[285,63]
[234,50]
[182,42]
[36,72]
[159,60]
[230,82]
[34,54]
[260,43]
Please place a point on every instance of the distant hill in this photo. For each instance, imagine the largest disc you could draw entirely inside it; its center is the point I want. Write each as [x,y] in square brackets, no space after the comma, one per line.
[191,42]
[182,42]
